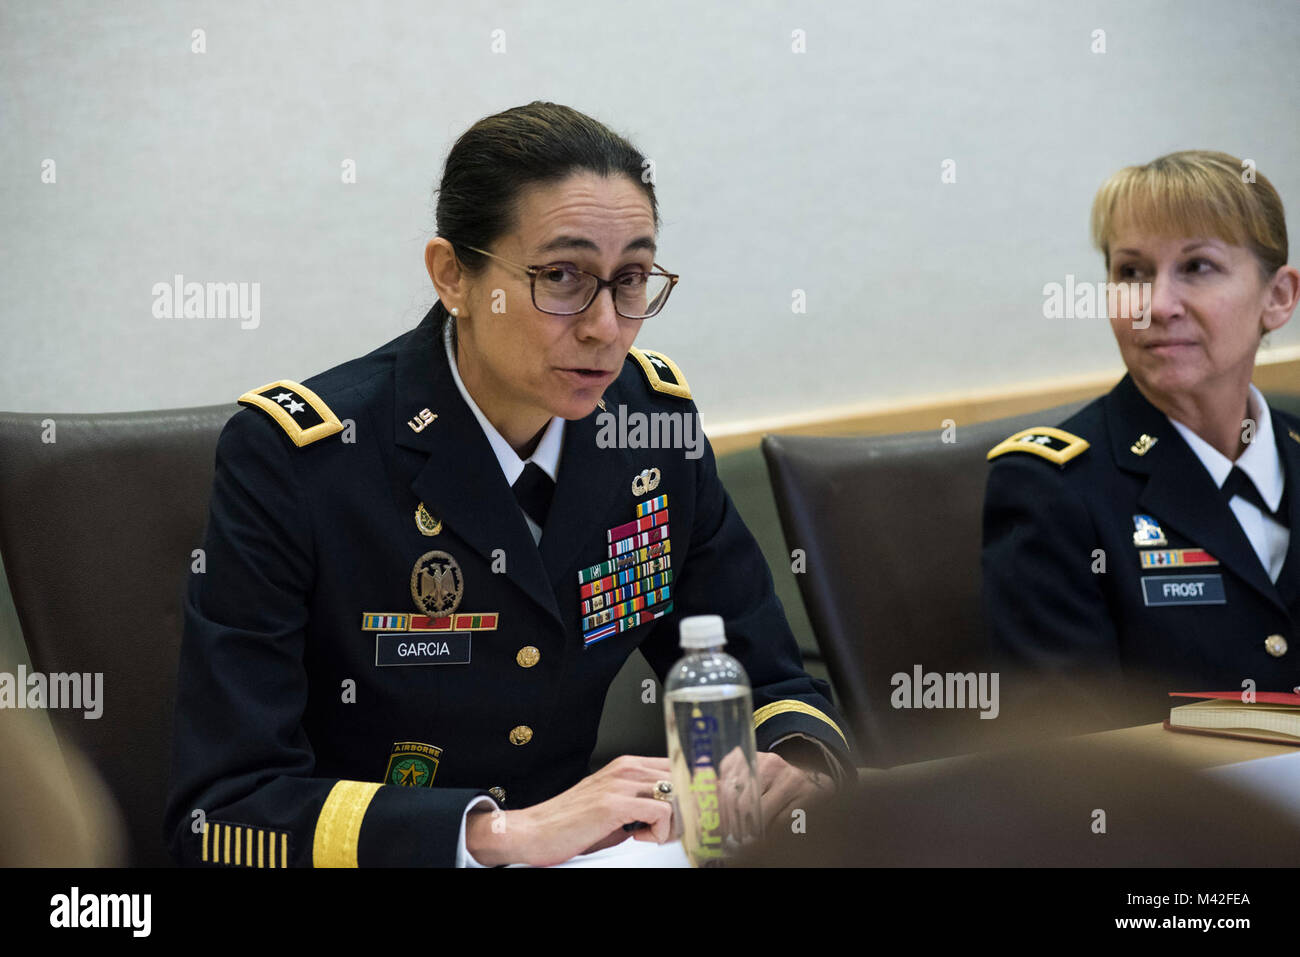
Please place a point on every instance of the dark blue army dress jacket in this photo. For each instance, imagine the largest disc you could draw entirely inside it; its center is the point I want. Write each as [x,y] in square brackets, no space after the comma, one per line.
[377,639]
[1109,549]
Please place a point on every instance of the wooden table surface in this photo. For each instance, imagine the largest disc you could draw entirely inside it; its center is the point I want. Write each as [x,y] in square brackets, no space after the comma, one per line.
[1190,750]
[1194,751]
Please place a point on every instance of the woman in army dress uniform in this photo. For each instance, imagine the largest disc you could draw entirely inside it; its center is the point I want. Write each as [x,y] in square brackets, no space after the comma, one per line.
[425,566]
[1150,541]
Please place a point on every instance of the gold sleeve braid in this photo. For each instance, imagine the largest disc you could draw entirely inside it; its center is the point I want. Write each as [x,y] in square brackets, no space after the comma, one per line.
[242,845]
[338,828]
[786,705]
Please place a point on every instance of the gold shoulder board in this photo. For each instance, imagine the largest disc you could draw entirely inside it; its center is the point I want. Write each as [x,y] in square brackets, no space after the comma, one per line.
[297,409]
[1055,445]
[661,372]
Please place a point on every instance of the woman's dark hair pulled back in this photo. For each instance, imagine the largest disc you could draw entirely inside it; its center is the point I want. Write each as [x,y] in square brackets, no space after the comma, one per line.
[493,162]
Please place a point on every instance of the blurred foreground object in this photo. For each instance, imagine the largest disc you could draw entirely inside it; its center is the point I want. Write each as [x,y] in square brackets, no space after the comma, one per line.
[1131,798]
[54,808]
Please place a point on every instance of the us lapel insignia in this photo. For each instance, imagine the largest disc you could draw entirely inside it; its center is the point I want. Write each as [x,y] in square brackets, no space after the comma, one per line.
[437,583]
[1143,445]
[426,523]
[1294,434]
[631,586]
[412,765]
[1148,532]
[645,482]
[421,420]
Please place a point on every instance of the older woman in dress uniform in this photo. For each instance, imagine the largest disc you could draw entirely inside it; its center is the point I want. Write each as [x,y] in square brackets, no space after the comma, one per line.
[1154,534]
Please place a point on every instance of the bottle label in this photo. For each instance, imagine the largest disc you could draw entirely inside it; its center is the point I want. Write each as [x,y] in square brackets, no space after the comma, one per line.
[704,786]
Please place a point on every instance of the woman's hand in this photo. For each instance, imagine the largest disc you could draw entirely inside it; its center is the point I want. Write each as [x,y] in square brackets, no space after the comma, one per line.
[782,788]
[786,788]
[587,817]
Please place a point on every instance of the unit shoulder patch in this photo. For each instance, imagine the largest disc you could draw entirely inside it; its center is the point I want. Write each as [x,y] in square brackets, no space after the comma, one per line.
[1055,445]
[296,409]
[661,372]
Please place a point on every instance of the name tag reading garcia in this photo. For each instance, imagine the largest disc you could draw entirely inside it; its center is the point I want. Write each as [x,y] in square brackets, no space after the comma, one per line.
[1183,590]
[443,648]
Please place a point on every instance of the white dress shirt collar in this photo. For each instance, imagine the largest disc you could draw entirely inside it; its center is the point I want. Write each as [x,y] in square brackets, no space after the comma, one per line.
[547,453]
[1263,463]
[1260,461]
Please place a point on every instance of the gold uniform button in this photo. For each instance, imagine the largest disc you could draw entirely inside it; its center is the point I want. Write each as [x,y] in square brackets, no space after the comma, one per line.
[521,734]
[1275,645]
[498,793]
[528,656]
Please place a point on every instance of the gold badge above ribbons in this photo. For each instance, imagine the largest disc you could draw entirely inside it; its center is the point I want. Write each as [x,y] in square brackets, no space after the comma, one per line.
[426,523]
[437,583]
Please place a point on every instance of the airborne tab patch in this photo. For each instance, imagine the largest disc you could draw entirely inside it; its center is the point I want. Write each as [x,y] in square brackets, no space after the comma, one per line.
[1055,445]
[412,765]
[297,409]
[661,372]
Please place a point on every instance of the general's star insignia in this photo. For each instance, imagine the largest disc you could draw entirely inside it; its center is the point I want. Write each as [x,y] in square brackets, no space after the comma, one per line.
[296,409]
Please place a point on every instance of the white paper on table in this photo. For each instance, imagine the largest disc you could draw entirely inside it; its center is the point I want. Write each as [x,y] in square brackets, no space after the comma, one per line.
[631,853]
[1275,779]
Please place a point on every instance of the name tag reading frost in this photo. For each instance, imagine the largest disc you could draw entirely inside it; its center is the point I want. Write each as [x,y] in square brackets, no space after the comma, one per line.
[1183,590]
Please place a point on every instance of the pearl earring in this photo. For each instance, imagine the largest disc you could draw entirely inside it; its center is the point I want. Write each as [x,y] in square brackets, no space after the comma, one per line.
[455,311]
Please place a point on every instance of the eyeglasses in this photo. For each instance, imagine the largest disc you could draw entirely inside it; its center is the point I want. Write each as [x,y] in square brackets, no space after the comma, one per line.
[564,290]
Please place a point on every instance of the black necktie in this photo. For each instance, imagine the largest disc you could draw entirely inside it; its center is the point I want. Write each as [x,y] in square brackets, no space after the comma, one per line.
[534,489]
[1239,483]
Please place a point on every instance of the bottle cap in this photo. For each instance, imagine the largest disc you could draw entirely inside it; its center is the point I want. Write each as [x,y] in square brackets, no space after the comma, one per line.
[703,631]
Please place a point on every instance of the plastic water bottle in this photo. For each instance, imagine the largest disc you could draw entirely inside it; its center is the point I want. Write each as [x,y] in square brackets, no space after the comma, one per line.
[710,716]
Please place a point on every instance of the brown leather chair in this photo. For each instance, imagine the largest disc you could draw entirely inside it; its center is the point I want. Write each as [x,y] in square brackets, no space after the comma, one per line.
[97,529]
[891,526]
[96,534]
